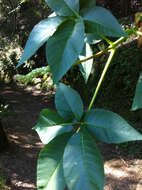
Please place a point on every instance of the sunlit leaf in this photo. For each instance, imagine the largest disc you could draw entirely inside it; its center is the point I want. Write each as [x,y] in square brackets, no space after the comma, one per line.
[86,67]
[138,18]
[101,22]
[39,35]
[49,168]
[138,23]
[82,163]
[64,7]
[68,102]
[109,127]
[64,47]
[139,41]
[50,124]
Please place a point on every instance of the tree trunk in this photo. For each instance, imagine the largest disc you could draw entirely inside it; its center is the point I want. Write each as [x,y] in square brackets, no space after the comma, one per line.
[3,139]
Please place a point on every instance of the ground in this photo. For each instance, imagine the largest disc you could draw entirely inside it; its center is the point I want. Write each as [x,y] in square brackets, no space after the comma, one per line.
[18,162]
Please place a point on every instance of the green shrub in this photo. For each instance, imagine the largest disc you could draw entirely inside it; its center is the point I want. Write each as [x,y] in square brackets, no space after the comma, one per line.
[70,156]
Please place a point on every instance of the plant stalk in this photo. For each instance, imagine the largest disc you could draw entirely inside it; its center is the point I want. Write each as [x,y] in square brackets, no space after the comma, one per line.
[113,45]
[102,77]
[93,56]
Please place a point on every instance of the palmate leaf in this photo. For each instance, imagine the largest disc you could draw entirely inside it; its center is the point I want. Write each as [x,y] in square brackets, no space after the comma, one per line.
[64,47]
[86,66]
[49,167]
[137,101]
[68,102]
[50,124]
[39,35]
[109,127]
[64,7]
[101,22]
[82,163]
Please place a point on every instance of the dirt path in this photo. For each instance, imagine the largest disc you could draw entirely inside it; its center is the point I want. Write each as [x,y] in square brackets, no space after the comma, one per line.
[18,163]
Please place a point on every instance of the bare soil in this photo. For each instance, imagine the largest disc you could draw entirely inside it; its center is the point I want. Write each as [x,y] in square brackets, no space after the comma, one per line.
[18,162]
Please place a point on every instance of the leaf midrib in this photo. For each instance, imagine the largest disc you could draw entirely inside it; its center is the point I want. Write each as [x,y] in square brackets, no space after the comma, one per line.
[105,27]
[83,157]
[52,175]
[75,13]
[60,62]
[56,123]
[84,161]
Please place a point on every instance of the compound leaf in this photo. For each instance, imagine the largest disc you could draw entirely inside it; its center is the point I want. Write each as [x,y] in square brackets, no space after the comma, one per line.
[86,66]
[50,167]
[137,102]
[39,35]
[101,22]
[68,102]
[82,163]
[64,7]
[50,124]
[64,47]
[109,127]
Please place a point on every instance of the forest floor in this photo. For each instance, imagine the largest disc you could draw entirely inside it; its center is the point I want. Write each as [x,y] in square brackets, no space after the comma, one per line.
[18,162]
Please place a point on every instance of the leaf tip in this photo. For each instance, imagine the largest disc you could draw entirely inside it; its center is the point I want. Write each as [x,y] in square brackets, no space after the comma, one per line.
[19,64]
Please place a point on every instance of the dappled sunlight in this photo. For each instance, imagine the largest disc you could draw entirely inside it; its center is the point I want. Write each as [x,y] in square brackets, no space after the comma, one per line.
[18,163]
[18,184]
[128,175]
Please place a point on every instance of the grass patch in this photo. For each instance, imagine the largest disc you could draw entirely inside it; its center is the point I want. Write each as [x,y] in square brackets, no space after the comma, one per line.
[3,183]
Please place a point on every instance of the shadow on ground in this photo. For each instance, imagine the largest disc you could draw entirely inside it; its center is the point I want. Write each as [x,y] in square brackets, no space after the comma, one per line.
[18,163]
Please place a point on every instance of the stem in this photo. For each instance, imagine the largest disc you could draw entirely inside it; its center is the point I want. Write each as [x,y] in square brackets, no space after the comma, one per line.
[120,40]
[102,77]
[107,40]
[93,56]
[114,45]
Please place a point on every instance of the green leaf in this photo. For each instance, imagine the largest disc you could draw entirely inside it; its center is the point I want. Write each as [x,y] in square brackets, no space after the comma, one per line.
[50,124]
[64,7]
[68,102]
[137,101]
[64,47]
[109,127]
[84,5]
[101,22]
[39,35]
[49,167]
[82,163]
[92,39]
[86,66]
